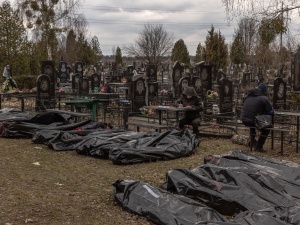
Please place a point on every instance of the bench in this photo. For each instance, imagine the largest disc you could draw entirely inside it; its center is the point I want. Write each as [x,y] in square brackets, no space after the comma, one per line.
[77,115]
[156,126]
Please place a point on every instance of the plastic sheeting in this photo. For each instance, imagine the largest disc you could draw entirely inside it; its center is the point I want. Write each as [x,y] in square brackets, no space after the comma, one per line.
[120,146]
[162,207]
[253,190]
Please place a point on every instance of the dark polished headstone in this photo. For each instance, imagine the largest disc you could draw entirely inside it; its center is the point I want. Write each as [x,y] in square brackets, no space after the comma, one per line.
[153,91]
[177,74]
[78,68]
[296,72]
[44,99]
[206,77]
[151,73]
[279,94]
[226,96]
[75,82]
[48,68]
[138,94]
[197,84]
[63,72]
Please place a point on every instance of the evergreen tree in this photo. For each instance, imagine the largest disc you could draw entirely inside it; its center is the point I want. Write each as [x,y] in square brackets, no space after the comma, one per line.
[118,57]
[216,49]
[199,54]
[237,51]
[180,52]
[13,40]
[95,45]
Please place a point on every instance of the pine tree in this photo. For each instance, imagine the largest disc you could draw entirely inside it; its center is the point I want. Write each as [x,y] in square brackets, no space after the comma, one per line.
[199,54]
[237,51]
[216,49]
[180,52]
[118,57]
[13,40]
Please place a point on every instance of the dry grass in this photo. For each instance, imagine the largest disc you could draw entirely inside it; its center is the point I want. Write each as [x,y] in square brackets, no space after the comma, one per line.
[41,186]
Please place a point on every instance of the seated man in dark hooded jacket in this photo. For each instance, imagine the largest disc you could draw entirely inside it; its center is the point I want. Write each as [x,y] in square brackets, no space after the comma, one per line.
[190,99]
[256,103]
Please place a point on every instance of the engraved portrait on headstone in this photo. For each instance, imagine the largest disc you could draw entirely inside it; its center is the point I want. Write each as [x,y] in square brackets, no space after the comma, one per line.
[140,87]
[139,94]
[63,76]
[197,84]
[79,67]
[279,93]
[226,96]
[151,73]
[44,97]
[153,90]
[296,72]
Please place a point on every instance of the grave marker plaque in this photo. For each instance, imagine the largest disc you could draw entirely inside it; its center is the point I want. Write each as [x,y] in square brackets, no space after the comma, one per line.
[63,72]
[49,69]
[206,77]
[296,72]
[152,91]
[84,86]
[177,74]
[246,79]
[151,73]
[44,99]
[78,68]
[139,94]
[95,81]
[197,84]
[75,82]
[226,96]
[279,94]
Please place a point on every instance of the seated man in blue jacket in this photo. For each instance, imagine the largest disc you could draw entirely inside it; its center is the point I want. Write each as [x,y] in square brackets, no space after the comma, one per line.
[256,103]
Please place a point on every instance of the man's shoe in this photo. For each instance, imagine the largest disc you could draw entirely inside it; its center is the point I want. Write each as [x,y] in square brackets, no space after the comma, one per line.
[252,143]
[259,149]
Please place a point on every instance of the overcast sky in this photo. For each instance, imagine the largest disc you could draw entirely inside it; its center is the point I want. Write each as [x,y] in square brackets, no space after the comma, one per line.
[118,23]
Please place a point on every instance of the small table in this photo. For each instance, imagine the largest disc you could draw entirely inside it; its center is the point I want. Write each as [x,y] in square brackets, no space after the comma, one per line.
[161,108]
[86,103]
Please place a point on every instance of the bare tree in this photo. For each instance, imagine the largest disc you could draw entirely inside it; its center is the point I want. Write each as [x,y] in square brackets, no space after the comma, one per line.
[153,43]
[259,9]
[48,19]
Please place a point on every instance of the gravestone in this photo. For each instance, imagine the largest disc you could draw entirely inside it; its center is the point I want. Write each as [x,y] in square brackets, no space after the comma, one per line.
[226,96]
[139,93]
[183,83]
[296,72]
[152,91]
[75,82]
[84,86]
[49,69]
[279,94]
[246,79]
[95,82]
[151,73]
[177,74]
[206,77]
[197,84]
[78,68]
[63,72]
[220,75]
[44,99]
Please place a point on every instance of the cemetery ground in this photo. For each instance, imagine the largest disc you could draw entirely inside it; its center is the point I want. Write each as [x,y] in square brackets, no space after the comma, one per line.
[42,186]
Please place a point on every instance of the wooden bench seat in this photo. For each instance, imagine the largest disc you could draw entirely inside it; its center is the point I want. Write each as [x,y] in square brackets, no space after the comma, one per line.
[155,126]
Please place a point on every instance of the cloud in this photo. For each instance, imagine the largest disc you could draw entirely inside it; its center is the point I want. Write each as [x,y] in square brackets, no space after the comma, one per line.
[118,23]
